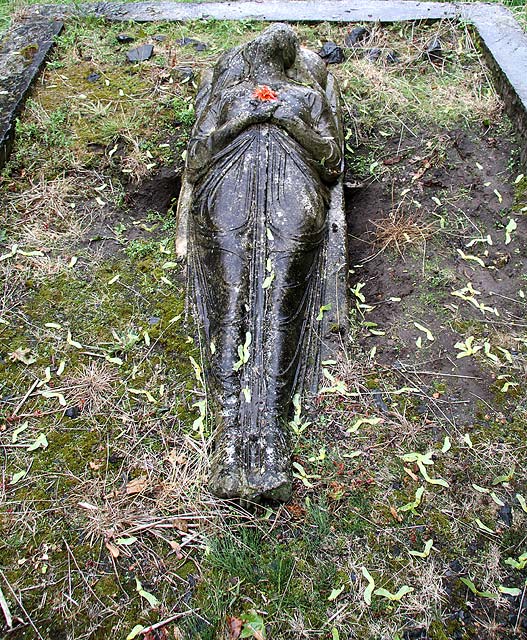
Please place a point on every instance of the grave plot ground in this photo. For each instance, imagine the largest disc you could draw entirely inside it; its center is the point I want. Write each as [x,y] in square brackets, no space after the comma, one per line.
[409,512]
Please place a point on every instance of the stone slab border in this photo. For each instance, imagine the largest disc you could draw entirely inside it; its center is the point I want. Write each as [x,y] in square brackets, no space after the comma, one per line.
[22,54]
[503,41]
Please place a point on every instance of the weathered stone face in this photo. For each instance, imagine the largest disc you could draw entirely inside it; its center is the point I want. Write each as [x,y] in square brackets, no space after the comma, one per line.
[263,161]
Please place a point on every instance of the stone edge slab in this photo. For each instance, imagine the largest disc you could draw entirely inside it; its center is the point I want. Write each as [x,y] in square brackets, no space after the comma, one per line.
[504,45]
[43,33]
[272,10]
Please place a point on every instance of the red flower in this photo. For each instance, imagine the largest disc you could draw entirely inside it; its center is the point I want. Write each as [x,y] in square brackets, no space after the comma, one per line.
[265,93]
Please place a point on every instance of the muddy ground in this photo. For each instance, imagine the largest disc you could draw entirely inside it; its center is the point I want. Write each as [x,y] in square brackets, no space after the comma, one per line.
[462,175]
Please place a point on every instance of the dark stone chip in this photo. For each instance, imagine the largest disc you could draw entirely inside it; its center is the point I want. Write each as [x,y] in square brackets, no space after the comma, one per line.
[140,54]
[379,401]
[124,38]
[373,54]
[72,412]
[331,53]
[434,51]
[392,57]
[355,36]
[159,38]
[183,73]
[416,633]
[455,567]
[93,77]
[185,42]
[505,515]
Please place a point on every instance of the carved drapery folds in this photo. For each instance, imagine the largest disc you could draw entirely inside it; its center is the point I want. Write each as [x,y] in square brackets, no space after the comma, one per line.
[262,164]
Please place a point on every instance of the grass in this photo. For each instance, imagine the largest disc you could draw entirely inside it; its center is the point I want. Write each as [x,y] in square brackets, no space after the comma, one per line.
[104,480]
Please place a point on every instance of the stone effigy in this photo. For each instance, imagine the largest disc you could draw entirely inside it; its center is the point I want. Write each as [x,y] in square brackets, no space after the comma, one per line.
[262,162]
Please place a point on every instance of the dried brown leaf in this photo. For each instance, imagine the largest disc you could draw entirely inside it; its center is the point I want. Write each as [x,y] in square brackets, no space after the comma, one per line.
[235,626]
[137,485]
[113,549]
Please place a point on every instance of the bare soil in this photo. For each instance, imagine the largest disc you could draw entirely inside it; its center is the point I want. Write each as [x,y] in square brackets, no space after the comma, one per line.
[473,210]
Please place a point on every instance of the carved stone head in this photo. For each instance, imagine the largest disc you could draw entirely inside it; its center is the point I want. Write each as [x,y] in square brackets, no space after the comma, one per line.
[276,46]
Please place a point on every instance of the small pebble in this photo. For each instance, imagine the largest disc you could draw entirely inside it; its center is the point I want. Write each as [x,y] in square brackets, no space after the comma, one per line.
[199,46]
[331,53]
[392,57]
[505,515]
[72,412]
[373,54]
[140,54]
[434,51]
[355,36]
[124,38]
[183,42]
[183,73]
[93,77]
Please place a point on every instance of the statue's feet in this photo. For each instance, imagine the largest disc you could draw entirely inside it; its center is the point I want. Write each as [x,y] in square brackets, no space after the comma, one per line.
[254,470]
[268,464]
[226,468]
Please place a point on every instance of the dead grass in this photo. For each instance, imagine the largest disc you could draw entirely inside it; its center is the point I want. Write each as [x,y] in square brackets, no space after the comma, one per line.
[92,387]
[400,229]
[47,211]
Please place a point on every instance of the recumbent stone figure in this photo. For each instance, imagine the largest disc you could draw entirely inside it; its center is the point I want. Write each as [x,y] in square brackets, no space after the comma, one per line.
[263,156]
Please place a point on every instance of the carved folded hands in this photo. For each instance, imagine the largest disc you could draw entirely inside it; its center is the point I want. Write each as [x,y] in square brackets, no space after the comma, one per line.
[311,126]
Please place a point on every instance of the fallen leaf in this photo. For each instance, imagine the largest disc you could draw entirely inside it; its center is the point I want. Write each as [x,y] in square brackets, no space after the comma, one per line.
[181,525]
[426,551]
[475,591]
[335,593]
[394,596]
[87,505]
[411,506]
[18,431]
[411,474]
[371,586]
[22,355]
[149,597]
[176,548]
[18,476]
[114,551]
[73,342]
[137,485]
[41,441]
[235,626]
[176,457]
[522,502]
[5,610]
[54,394]
[484,527]
[395,515]
[136,630]
[393,160]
